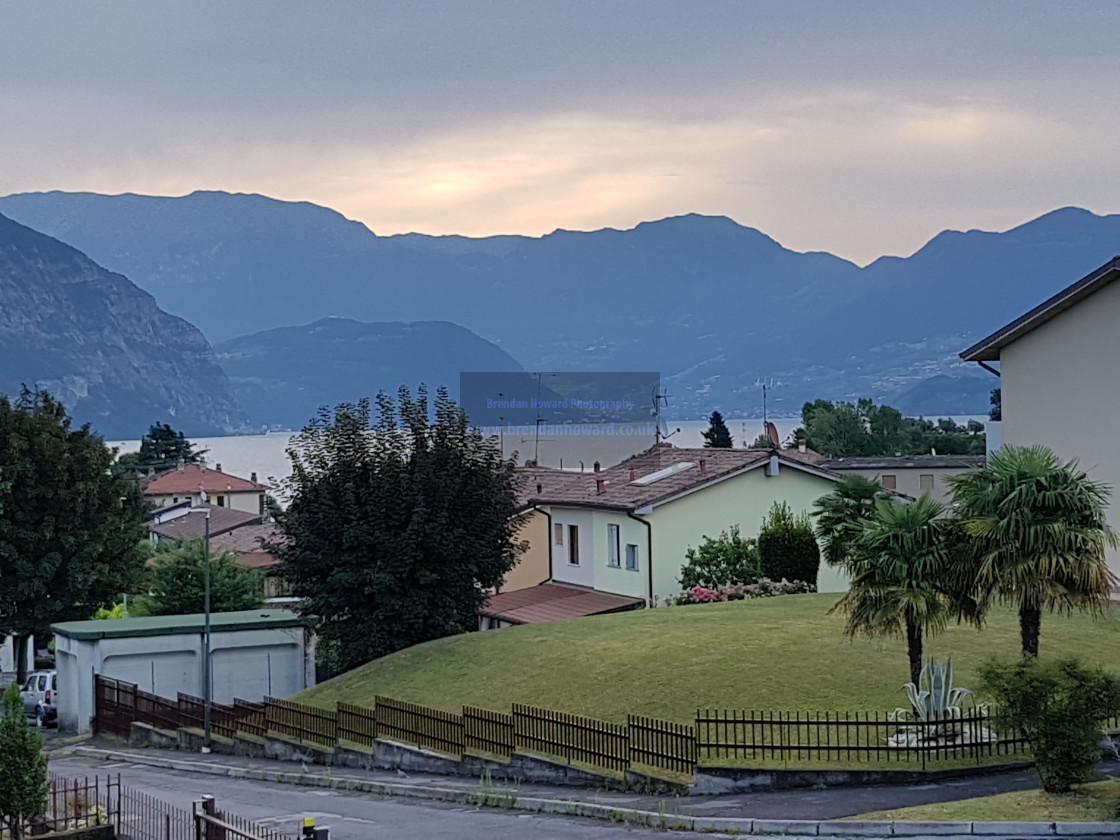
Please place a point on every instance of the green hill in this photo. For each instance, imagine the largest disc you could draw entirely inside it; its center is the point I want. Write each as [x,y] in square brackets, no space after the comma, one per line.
[782,653]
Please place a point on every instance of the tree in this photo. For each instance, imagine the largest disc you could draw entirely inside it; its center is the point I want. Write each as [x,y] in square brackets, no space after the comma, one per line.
[995,399]
[787,546]
[720,561]
[1039,535]
[843,514]
[904,576]
[847,430]
[71,529]
[717,435]
[23,767]
[762,442]
[177,581]
[161,449]
[1062,708]
[397,528]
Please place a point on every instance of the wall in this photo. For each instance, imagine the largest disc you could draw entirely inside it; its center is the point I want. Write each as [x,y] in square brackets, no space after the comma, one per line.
[532,565]
[245,663]
[8,655]
[908,481]
[562,570]
[745,501]
[620,580]
[1061,388]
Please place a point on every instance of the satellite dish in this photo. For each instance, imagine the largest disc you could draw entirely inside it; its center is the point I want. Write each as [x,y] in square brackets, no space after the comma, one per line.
[772,433]
[662,427]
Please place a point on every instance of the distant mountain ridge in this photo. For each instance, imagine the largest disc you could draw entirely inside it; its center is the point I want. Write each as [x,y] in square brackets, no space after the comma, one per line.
[282,376]
[101,345]
[714,305]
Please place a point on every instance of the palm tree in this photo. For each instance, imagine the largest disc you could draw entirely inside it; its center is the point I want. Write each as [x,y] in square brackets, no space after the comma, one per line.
[1039,535]
[903,576]
[842,515]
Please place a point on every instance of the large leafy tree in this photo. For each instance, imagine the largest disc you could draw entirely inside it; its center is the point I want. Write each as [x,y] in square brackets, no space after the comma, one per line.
[70,530]
[397,526]
[177,581]
[23,767]
[905,578]
[1039,535]
[864,428]
[717,435]
[161,449]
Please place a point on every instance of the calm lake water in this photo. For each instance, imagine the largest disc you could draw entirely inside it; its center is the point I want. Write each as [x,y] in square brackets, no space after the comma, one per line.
[265,455]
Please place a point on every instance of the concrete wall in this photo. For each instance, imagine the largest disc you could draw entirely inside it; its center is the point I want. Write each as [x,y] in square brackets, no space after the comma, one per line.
[744,501]
[248,502]
[532,566]
[8,655]
[909,481]
[247,663]
[563,570]
[1061,388]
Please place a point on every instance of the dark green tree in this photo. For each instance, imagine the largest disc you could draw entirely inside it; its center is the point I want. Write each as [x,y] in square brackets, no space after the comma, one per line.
[1062,708]
[1039,532]
[71,529]
[717,435]
[996,402]
[177,586]
[787,547]
[161,449]
[842,515]
[23,767]
[863,428]
[398,526]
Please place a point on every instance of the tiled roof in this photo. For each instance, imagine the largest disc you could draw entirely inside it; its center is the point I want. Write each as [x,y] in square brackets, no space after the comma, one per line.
[192,525]
[553,602]
[192,476]
[988,349]
[257,559]
[249,537]
[621,487]
[905,462]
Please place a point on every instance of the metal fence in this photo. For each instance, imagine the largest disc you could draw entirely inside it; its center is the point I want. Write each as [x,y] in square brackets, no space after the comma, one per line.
[717,736]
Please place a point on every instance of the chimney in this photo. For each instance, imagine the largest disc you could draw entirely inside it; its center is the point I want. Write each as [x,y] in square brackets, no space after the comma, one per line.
[596,467]
[703,466]
[219,466]
[801,447]
[538,488]
[182,465]
[253,477]
[599,485]
[633,474]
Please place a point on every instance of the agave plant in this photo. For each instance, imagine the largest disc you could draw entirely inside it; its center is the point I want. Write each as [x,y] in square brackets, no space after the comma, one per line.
[934,698]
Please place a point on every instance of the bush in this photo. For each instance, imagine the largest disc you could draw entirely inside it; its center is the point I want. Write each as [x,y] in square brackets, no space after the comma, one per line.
[1061,708]
[722,561]
[763,588]
[787,546]
[44,663]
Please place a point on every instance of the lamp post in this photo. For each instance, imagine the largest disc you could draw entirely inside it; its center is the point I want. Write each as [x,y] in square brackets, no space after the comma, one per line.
[206,688]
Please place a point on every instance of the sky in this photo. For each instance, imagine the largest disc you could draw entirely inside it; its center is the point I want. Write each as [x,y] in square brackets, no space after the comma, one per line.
[861,128]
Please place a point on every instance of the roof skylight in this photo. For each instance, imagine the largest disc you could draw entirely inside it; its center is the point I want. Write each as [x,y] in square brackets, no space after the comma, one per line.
[663,473]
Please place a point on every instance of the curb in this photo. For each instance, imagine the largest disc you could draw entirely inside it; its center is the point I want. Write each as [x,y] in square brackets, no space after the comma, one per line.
[507,798]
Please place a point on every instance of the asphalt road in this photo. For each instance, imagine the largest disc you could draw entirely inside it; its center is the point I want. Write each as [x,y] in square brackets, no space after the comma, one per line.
[349,816]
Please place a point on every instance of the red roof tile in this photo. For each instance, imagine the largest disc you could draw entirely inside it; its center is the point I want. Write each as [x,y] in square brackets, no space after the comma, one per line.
[192,525]
[553,602]
[621,487]
[192,477]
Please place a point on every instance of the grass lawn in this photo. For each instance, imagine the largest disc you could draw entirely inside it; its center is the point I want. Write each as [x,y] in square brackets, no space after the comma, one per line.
[1097,801]
[782,653]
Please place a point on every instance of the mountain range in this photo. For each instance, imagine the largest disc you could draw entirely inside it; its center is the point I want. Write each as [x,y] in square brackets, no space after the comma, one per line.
[715,306]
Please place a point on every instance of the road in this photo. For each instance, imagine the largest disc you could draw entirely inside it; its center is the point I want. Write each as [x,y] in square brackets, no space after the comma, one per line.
[350,816]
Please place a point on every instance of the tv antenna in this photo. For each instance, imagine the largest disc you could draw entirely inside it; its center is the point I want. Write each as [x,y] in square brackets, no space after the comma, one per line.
[661,430]
[767,385]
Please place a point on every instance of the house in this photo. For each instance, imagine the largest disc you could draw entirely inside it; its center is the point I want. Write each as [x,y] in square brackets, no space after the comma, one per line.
[248,544]
[197,484]
[622,532]
[911,475]
[1059,372]
[186,522]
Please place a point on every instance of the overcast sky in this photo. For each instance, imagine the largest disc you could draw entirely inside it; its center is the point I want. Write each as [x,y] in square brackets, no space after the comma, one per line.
[861,128]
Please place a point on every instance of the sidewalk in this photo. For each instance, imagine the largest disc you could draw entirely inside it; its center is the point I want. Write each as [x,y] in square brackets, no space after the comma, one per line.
[823,804]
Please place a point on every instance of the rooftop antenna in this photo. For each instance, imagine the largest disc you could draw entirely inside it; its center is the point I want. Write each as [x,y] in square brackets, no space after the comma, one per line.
[767,385]
[661,430]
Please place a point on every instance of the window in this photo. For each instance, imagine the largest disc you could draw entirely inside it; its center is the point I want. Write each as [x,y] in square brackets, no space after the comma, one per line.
[889,482]
[558,534]
[573,544]
[632,557]
[221,501]
[612,546]
[42,682]
[925,482]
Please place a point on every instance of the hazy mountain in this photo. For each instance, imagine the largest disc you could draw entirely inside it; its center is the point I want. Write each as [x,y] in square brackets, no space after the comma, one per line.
[100,344]
[282,376]
[948,395]
[712,304]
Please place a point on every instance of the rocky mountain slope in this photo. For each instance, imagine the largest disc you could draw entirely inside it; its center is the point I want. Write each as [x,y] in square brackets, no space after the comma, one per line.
[102,345]
[282,376]
[713,305]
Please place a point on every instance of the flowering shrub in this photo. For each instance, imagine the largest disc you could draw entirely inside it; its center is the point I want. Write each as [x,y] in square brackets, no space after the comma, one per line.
[763,588]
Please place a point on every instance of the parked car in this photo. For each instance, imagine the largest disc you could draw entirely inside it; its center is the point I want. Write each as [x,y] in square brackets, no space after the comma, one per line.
[39,693]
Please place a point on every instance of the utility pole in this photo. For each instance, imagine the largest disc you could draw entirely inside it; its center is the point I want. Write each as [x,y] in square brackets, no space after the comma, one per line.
[207,689]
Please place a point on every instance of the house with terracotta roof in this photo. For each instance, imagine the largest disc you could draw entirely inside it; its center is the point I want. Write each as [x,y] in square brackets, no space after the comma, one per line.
[908,475]
[1059,372]
[622,532]
[198,484]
